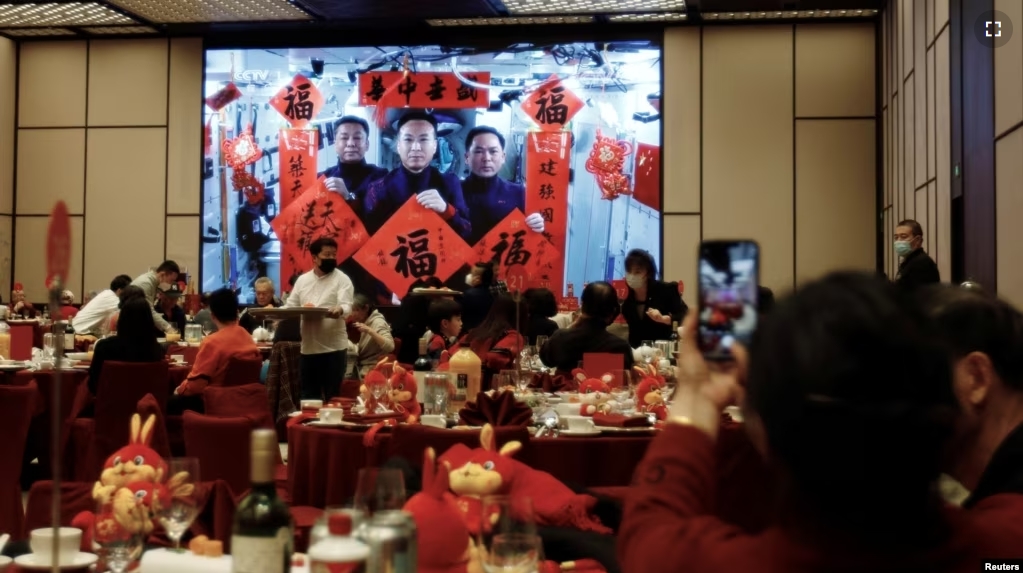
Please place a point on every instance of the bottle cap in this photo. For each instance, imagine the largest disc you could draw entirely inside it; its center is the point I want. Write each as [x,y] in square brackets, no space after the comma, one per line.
[339,524]
[264,440]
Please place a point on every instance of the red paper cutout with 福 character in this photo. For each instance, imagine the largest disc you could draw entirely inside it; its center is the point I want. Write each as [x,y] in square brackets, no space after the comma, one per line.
[316,213]
[414,243]
[552,105]
[523,258]
[299,101]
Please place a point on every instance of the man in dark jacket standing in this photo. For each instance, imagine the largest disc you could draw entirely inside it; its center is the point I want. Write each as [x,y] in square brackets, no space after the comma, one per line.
[917,267]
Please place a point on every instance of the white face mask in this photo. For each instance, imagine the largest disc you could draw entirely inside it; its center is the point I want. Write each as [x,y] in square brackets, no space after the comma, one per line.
[635,280]
[469,279]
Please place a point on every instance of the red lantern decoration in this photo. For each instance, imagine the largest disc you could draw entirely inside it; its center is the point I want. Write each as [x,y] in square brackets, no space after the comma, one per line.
[242,150]
[606,163]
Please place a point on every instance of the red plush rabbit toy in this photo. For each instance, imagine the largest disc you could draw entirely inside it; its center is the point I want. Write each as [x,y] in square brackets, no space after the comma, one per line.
[594,393]
[648,395]
[404,395]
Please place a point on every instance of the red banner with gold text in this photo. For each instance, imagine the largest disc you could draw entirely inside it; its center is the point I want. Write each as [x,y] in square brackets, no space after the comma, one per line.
[297,148]
[423,90]
[547,165]
[315,213]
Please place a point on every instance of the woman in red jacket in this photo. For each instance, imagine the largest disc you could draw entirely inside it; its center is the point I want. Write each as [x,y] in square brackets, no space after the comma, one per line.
[497,340]
[848,394]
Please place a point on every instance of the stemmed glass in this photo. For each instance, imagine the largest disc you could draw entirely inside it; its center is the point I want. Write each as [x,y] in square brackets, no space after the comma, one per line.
[117,546]
[508,542]
[380,489]
[178,513]
[503,379]
[621,387]
[540,341]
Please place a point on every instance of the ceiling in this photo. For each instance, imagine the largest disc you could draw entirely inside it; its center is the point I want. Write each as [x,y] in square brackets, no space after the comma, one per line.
[350,21]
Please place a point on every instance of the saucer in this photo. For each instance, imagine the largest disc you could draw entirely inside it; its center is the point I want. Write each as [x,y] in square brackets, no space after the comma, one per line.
[33,562]
[580,433]
[324,424]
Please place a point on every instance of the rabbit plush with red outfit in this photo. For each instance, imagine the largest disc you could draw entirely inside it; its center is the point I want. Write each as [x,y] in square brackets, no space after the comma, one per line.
[649,398]
[404,395]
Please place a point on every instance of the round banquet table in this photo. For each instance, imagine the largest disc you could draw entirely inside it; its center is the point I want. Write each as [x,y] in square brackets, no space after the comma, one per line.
[323,463]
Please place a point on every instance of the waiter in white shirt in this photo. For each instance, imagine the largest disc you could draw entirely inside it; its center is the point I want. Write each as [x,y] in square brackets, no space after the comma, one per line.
[94,317]
[324,340]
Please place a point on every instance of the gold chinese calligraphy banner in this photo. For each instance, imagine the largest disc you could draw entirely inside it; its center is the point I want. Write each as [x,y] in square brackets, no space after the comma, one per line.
[523,258]
[423,90]
[316,213]
[298,149]
[414,243]
[547,170]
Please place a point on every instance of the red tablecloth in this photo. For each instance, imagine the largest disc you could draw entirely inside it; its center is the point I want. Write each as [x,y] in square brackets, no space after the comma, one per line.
[323,463]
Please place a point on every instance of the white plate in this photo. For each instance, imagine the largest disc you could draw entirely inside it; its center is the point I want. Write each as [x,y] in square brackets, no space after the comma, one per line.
[632,430]
[35,562]
[322,424]
[295,414]
[580,433]
[77,356]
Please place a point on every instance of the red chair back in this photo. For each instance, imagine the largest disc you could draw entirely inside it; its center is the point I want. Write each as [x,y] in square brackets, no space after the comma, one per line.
[241,371]
[149,406]
[222,446]
[75,497]
[16,409]
[121,386]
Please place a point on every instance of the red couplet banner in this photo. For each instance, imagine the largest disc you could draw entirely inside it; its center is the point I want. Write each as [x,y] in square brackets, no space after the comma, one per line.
[414,243]
[547,170]
[298,149]
[423,90]
[314,214]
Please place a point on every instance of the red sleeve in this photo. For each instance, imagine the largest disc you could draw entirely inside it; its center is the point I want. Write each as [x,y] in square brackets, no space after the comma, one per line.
[667,518]
[437,344]
[502,354]
[449,212]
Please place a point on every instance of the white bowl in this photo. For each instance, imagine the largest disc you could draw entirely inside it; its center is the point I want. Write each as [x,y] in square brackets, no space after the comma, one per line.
[77,355]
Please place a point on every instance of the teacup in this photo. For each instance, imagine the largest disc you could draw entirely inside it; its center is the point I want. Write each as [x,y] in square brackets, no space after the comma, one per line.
[179,358]
[331,415]
[568,408]
[579,424]
[312,405]
[69,540]
[434,420]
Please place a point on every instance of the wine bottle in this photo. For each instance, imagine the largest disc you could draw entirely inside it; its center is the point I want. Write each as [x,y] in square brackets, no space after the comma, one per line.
[263,533]
[674,340]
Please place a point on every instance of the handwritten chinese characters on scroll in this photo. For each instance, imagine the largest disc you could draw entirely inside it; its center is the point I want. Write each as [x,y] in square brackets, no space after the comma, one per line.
[423,90]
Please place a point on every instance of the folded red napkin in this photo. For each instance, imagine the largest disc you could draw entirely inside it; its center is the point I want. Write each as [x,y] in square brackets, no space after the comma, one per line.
[371,418]
[502,409]
[620,421]
[555,383]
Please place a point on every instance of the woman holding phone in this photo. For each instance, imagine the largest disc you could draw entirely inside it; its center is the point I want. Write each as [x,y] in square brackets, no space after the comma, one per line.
[651,305]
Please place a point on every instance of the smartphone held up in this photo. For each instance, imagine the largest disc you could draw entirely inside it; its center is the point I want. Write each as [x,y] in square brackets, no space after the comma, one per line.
[729,275]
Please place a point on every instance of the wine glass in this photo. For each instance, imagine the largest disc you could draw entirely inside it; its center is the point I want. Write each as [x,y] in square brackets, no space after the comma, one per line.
[621,387]
[540,341]
[508,542]
[177,513]
[522,379]
[503,379]
[380,489]
[115,544]
[436,393]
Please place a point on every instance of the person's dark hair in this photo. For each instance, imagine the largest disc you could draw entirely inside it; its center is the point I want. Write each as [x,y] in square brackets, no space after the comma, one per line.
[135,324]
[972,321]
[480,130]
[765,300]
[204,299]
[498,321]
[600,301]
[487,273]
[644,260]
[131,292]
[914,227]
[541,302]
[417,115]
[363,302]
[168,267]
[351,119]
[224,305]
[119,282]
[440,310]
[319,244]
[853,389]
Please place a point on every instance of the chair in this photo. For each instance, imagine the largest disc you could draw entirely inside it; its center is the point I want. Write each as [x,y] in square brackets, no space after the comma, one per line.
[248,401]
[148,406]
[75,497]
[222,446]
[16,408]
[121,386]
[243,370]
[283,388]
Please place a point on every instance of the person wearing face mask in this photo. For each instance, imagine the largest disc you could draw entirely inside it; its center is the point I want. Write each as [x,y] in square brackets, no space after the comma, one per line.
[153,283]
[651,305]
[436,191]
[917,267]
[489,197]
[324,339]
[565,348]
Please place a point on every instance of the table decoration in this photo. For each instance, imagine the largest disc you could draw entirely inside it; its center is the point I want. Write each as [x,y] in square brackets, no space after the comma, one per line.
[499,409]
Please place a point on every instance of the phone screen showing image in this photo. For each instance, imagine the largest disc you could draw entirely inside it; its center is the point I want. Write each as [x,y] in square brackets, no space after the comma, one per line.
[729,274]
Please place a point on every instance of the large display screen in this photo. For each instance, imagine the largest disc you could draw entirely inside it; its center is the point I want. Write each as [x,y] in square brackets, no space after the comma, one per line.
[419,162]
